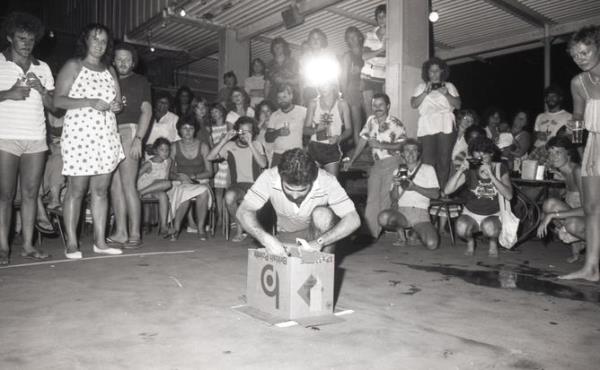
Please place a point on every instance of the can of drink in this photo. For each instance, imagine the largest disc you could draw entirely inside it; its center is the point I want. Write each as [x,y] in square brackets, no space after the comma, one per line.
[577,127]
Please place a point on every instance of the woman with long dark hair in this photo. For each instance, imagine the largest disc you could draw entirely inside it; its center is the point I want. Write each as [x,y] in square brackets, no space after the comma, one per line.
[88,88]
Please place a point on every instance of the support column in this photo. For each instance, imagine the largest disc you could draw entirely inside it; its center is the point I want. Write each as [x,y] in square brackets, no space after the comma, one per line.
[547,55]
[407,49]
[234,56]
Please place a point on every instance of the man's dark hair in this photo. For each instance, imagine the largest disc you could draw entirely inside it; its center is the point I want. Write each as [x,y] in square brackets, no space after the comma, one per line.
[484,144]
[380,9]
[245,121]
[474,129]
[284,86]
[440,63]
[415,142]
[383,96]
[490,111]
[286,47]
[230,74]
[350,30]
[18,21]
[297,167]
[162,94]
[554,89]
[565,143]
[131,49]
[81,47]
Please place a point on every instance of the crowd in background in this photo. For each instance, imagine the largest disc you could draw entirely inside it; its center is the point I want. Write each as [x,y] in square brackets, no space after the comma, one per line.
[106,133]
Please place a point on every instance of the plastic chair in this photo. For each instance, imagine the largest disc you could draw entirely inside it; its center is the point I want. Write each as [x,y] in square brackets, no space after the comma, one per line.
[449,208]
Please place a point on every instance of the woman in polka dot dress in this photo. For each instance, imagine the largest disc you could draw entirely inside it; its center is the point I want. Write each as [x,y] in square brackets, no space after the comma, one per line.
[88,89]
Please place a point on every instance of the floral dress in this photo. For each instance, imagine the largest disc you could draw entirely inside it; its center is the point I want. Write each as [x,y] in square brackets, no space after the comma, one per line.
[90,143]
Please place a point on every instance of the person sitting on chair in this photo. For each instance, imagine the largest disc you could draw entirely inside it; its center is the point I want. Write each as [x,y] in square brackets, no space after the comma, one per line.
[415,184]
[309,203]
[245,157]
[566,213]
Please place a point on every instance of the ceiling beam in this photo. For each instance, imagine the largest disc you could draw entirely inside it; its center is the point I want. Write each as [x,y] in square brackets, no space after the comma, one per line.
[357,17]
[274,20]
[522,12]
[194,22]
[155,21]
[516,40]
[267,40]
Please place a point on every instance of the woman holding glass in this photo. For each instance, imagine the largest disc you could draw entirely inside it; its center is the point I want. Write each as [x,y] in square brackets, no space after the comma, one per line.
[584,47]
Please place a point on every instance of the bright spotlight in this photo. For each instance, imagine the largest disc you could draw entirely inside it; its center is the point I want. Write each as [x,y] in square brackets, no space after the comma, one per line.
[182,12]
[152,49]
[434,16]
[320,70]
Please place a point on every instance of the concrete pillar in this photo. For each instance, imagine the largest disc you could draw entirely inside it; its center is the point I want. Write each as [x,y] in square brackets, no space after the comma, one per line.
[234,56]
[547,55]
[407,49]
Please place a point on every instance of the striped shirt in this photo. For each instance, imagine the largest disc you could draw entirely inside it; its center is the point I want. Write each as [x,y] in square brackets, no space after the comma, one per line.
[23,119]
[326,191]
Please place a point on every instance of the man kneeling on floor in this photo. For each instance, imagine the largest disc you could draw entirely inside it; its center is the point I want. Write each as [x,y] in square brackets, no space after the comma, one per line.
[415,184]
[309,204]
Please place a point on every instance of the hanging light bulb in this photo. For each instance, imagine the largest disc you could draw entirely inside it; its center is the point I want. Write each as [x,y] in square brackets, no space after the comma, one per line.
[434,16]
[51,34]
[152,49]
[182,12]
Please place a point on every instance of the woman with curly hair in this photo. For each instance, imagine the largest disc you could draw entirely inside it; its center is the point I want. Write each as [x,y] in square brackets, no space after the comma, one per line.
[238,105]
[88,88]
[584,48]
[436,99]
[24,92]
[481,211]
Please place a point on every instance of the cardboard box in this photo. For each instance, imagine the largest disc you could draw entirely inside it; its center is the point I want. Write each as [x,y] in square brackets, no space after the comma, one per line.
[294,287]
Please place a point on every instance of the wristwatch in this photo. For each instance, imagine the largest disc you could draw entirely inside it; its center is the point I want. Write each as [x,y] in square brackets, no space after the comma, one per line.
[320,242]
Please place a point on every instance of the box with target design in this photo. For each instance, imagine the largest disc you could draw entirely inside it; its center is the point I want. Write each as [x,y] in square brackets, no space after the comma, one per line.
[293,287]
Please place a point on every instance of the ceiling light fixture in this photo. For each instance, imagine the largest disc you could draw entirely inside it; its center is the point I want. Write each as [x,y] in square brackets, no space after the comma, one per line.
[434,16]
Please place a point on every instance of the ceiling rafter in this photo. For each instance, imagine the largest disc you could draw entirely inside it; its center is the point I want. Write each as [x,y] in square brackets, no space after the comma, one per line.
[522,12]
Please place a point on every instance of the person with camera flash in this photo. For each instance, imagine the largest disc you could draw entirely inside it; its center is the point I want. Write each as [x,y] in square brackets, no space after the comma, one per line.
[415,184]
[436,99]
[484,179]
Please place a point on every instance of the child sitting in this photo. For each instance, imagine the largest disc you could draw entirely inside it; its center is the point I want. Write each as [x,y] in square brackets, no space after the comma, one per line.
[153,179]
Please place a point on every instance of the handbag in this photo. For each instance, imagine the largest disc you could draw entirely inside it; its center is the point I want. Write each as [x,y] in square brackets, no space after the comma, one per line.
[510,222]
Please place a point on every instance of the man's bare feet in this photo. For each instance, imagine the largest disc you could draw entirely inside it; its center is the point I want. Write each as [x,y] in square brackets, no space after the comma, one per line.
[586,273]
[574,258]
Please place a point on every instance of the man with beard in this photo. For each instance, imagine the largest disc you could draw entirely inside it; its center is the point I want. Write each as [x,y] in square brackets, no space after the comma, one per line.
[548,124]
[385,135]
[309,203]
[285,127]
[245,157]
[132,123]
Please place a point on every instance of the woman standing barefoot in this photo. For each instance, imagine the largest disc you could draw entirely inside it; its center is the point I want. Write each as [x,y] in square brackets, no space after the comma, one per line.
[584,48]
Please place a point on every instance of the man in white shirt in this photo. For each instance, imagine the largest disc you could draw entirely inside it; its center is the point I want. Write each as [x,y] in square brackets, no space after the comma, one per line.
[286,125]
[415,184]
[309,202]
[164,123]
[548,124]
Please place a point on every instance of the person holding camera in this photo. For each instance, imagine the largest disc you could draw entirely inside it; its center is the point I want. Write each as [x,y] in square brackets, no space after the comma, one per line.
[484,180]
[436,99]
[414,185]
[246,159]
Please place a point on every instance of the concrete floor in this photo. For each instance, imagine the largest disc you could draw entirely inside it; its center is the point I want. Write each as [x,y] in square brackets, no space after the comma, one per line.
[172,310]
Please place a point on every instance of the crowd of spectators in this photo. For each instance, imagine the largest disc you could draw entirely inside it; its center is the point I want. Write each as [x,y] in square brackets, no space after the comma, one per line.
[109,134]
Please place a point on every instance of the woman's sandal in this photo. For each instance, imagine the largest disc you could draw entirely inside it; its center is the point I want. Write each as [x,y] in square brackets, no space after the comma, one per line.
[35,255]
[239,238]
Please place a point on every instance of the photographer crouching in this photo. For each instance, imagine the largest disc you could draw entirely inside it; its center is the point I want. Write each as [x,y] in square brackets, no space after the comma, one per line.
[414,185]
[483,179]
